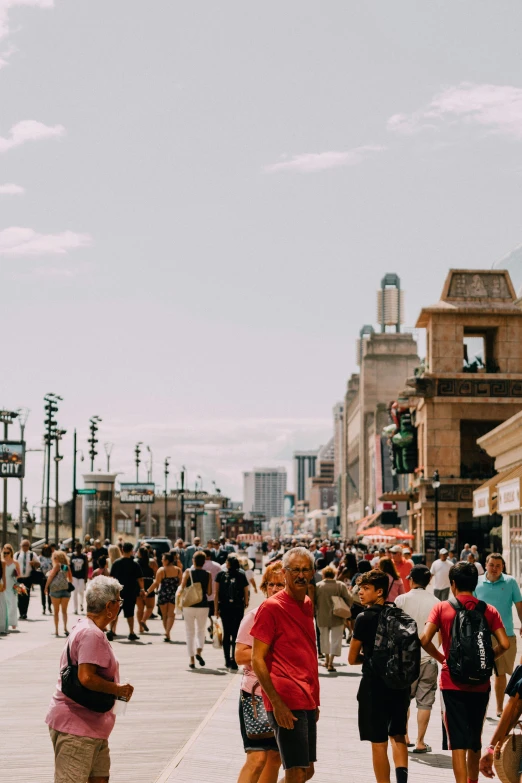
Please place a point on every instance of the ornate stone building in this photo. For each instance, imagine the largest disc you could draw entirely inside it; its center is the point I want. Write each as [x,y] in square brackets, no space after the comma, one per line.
[471,383]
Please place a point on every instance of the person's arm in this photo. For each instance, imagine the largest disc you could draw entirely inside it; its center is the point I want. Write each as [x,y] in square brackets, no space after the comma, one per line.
[156,583]
[50,576]
[89,679]
[355,656]
[253,583]
[247,596]
[503,642]
[282,713]
[69,574]
[17,568]
[518,607]
[508,720]
[430,629]
[243,654]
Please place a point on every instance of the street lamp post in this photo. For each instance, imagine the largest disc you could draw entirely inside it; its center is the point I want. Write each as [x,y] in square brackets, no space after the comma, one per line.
[182,493]
[149,479]
[435,483]
[74,493]
[51,408]
[93,440]
[57,459]
[137,452]
[23,415]
[108,450]
[167,460]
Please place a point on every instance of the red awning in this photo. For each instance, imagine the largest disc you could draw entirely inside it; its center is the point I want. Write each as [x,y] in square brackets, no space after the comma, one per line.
[367,522]
[396,532]
[376,532]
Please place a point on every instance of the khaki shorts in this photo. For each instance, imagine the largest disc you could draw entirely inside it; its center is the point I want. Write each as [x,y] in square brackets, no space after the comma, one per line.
[506,663]
[78,758]
[423,690]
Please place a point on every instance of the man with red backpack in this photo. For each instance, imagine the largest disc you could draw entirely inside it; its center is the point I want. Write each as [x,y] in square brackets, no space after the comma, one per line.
[466,626]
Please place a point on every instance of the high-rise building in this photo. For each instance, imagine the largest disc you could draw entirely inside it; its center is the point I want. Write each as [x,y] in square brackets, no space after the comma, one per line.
[264,492]
[304,468]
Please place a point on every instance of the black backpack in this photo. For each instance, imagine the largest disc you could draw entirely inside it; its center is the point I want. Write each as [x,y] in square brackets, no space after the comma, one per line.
[471,656]
[233,593]
[396,653]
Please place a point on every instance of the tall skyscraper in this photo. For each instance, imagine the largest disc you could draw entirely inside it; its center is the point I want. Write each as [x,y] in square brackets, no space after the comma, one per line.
[264,491]
[304,468]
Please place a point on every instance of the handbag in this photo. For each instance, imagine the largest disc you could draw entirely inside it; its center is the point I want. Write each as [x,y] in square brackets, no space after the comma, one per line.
[73,689]
[37,577]
[340,608]
[70,587]
[257,725]
[193,594]
[217,635]
[507,757]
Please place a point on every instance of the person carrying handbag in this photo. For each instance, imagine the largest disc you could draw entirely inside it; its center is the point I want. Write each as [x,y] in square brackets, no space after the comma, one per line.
[195,613]
[330,624]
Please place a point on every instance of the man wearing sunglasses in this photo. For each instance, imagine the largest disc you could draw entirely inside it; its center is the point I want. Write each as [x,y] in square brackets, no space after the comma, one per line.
[284,659]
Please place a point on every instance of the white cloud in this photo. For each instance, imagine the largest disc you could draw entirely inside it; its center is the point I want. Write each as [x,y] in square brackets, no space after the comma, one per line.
[29,130]
[7,5]
[9,189]
[17,241]
[495,107]
[320,161]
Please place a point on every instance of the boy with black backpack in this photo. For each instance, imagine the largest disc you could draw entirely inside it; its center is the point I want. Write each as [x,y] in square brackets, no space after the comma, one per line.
[466,626]
[386,642]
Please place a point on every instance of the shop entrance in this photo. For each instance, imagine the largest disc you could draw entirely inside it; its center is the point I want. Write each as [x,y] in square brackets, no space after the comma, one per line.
[482,531]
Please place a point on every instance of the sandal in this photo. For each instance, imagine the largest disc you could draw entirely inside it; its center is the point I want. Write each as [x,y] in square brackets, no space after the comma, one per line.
[331,669]
[426,749]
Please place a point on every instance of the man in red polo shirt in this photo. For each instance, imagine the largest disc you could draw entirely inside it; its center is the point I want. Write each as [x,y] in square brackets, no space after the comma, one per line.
[402,565]
[284,659]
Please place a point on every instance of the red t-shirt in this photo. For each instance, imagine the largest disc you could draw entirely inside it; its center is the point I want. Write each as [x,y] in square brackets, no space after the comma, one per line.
[442,615]
[287,626]
[403,569]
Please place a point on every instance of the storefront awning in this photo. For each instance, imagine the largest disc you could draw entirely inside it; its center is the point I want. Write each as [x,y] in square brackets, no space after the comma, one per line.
[495,494]
[367,522]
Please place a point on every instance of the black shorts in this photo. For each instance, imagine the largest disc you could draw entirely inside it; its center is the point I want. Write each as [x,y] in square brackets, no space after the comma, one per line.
[383,712]
[297,746]
[463,715]
[269,743]
[129,605]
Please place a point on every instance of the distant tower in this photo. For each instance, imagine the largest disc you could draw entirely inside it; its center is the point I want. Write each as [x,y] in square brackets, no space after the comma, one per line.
[390,303]
[366,331]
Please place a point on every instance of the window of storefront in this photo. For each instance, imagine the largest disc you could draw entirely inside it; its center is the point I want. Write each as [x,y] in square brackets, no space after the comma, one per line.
[515,546]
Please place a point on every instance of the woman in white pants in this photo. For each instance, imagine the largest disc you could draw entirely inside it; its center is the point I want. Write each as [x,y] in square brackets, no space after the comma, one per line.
[196,616]
[330,626]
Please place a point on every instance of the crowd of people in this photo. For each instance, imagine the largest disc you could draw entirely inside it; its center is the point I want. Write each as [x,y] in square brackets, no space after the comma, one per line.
[316,596]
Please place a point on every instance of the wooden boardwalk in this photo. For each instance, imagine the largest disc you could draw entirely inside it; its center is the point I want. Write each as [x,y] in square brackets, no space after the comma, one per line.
[181,725]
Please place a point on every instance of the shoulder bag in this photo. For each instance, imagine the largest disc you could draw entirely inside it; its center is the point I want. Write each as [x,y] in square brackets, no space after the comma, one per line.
[193,594]
[73,689]
[340,608]
[257,725]
[507,758]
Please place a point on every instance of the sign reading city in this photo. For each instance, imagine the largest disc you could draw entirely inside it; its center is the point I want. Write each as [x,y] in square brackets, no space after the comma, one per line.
[12,459]
[137,493]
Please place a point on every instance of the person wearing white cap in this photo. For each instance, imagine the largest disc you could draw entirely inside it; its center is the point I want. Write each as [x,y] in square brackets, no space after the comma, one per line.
[440,571]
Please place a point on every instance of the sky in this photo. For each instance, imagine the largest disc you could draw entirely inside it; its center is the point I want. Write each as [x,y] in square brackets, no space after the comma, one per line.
[198,202]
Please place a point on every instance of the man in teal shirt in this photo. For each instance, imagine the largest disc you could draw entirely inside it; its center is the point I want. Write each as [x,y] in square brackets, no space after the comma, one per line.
[502,592]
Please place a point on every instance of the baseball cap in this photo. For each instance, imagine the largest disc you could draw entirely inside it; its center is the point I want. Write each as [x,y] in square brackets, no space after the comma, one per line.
[443,551]
[396,549]
[419,573]
[406,551]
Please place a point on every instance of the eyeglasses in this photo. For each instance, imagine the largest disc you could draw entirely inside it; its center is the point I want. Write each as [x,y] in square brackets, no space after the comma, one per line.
[297,571]
[117,601]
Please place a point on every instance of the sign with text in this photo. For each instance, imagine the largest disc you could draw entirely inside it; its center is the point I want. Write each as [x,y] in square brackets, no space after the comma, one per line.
[509,495]
[12,459]
[137,493]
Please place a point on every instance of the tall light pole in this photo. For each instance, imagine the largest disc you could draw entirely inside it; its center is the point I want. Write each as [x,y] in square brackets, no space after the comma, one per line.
[108,450]
[58,435]
[182,493]
[93,440]
[23,415]
[435,483]
[137,452]
[166,473]
[74,493]
[149,479]
[51,408]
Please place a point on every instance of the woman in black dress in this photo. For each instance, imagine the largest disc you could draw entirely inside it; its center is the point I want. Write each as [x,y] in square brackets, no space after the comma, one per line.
[145,606]
[167,579]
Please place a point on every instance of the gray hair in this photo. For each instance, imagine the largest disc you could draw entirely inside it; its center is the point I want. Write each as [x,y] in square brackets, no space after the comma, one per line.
[301,551]
[100,591]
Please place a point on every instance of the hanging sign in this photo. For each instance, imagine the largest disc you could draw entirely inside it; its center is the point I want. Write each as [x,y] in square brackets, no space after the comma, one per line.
[12,459]
[137,493]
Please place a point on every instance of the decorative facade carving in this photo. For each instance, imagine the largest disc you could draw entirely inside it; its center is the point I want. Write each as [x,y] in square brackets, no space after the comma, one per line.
[462,387]
[474,285]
